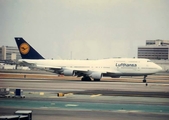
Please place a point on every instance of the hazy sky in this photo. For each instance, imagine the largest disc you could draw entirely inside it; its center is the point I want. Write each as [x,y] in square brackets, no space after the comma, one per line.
[89,28]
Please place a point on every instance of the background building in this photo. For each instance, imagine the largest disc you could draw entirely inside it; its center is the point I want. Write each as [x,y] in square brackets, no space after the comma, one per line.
[9,53]
[163,63]
[154,49]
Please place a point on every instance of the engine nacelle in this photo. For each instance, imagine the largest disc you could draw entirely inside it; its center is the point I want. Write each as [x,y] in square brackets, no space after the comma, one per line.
[68,72]
[96,75]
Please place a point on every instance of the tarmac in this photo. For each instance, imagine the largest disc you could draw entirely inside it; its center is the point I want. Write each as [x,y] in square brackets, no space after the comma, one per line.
[117,98]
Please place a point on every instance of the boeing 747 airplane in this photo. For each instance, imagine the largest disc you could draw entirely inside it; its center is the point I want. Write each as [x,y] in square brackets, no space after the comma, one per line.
[88,69]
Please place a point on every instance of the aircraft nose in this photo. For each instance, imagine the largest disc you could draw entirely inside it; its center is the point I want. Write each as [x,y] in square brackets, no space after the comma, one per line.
[159,68]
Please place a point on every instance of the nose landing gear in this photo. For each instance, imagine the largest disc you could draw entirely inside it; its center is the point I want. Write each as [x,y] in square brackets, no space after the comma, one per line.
[144,80]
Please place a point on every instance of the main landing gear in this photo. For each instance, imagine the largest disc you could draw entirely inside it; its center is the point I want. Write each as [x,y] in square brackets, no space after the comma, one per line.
[96,79]
[144,80]
[86,78]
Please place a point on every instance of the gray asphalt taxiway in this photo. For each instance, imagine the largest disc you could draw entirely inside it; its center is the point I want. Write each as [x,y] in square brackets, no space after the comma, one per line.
[89,100]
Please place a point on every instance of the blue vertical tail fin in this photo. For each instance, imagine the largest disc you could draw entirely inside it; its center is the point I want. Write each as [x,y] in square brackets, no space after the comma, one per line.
[26,50]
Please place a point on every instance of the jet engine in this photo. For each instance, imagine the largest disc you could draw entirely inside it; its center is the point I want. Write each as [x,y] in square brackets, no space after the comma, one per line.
[96,75]
[68,72]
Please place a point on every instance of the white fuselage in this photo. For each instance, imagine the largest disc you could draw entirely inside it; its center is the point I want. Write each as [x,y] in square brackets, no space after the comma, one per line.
[108,67]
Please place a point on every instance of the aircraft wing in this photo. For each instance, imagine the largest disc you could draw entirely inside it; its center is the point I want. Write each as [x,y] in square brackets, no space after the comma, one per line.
[34,65]
[114,72]
[79,72]
[50,67]
[88,72]
[24,63]
[107,71]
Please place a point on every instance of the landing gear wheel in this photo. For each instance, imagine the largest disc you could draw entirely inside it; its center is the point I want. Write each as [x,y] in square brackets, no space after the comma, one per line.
[144,81]
[86,79]
[96,79]
[83,79]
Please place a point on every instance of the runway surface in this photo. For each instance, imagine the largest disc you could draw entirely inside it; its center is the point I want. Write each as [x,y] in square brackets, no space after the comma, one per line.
[107,99]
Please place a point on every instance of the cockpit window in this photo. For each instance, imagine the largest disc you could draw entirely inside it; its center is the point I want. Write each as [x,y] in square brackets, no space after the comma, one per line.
[149,61]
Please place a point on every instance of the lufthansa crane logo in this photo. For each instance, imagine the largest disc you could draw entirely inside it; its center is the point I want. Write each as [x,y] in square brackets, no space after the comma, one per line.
[24,48]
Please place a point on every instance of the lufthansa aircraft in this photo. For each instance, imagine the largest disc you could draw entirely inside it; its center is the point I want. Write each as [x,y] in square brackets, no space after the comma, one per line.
[88,69]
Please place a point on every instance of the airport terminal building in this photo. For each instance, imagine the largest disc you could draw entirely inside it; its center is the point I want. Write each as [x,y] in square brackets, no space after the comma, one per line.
[9,53]
[155,50]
